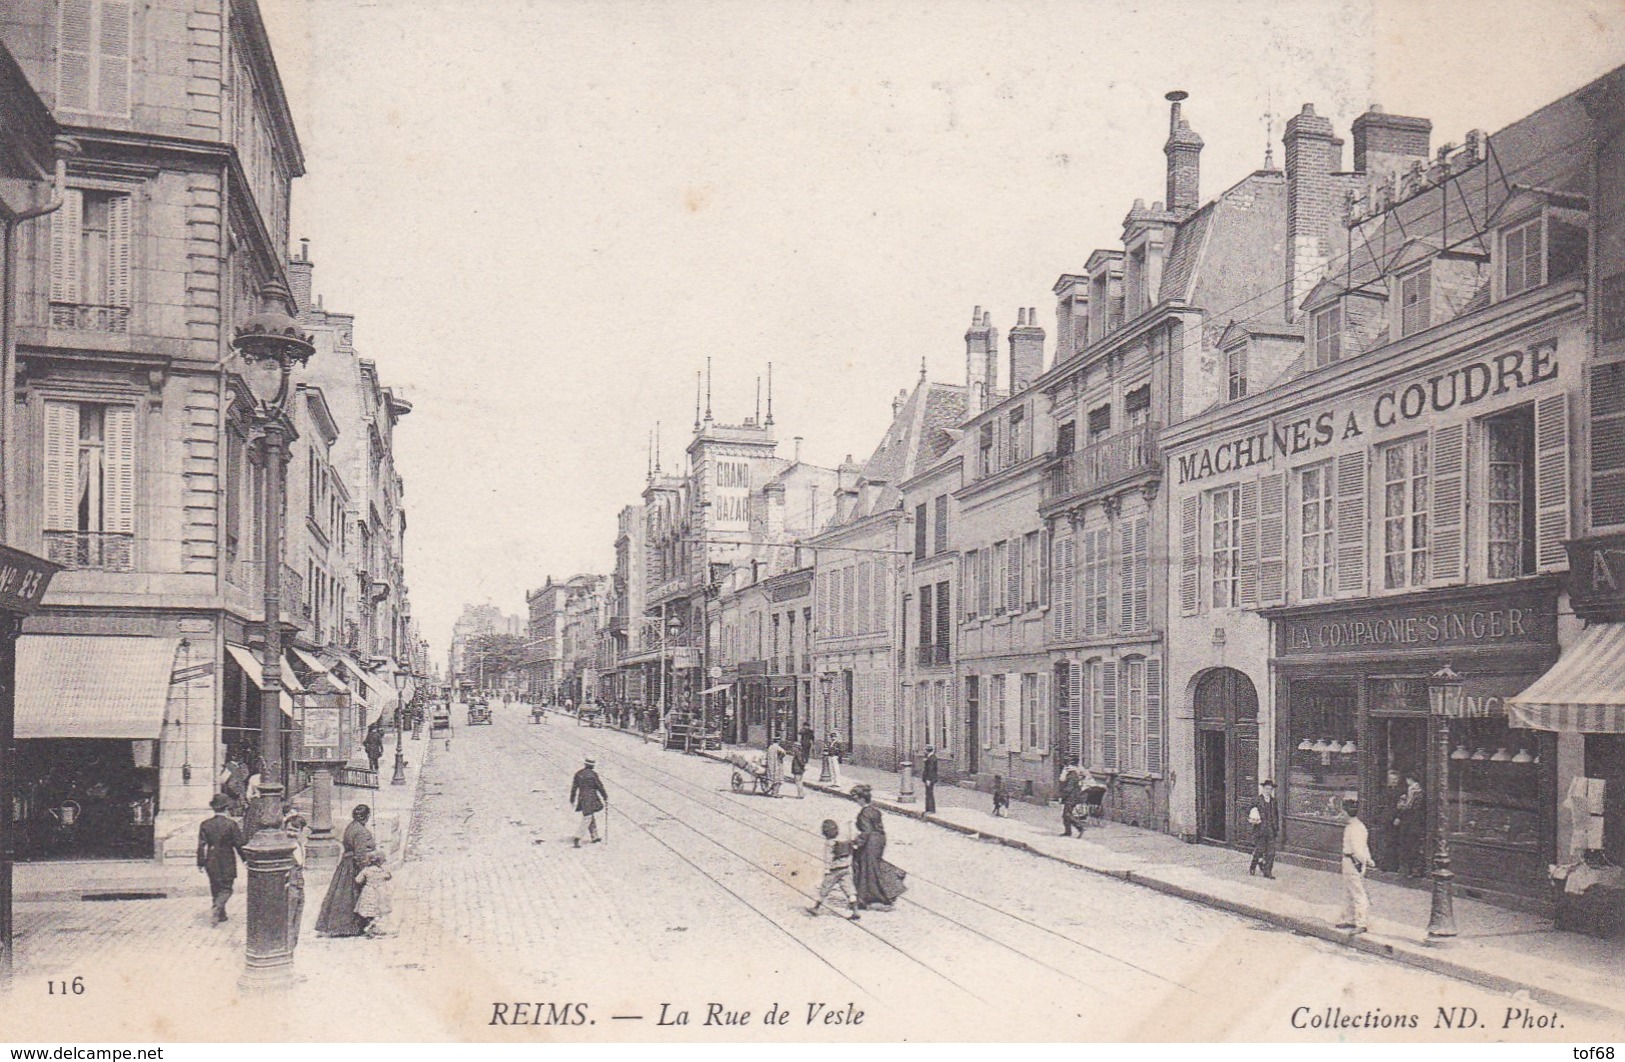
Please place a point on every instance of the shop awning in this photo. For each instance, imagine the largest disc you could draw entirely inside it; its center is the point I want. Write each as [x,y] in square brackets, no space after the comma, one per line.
[1584,692]
[256,673]
[724,688]
[309,661]
[69,686]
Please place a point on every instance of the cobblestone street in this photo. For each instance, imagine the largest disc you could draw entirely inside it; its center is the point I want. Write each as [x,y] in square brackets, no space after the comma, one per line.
[696,899]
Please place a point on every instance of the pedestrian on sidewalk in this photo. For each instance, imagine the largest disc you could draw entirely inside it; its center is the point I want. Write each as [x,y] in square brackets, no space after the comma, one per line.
[373,744]
[1001,799]
[806,738]
[1265,817]
[1356,858]
[928,776]
[373,902]
[798,768]
[877,883]
[337,917]
[588,796]
[233,780]
[295,827]
[832,754]
[837,872]
[219,842]
[1071,797]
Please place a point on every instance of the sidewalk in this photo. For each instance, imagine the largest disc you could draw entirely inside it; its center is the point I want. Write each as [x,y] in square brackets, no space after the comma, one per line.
[112,880]
[1498,948]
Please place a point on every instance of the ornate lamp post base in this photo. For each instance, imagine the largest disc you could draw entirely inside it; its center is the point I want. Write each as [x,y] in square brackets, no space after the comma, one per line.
[400,768]
[1442,915]
[269,856]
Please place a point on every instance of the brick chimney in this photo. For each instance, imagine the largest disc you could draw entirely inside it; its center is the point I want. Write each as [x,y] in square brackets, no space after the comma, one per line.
[981,360]
[1026,350]
[1313,154]
[1184,151]
[300,268]
[1385,145]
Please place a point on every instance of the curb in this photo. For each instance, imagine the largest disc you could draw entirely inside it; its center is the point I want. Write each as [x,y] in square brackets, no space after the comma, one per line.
[1402,951]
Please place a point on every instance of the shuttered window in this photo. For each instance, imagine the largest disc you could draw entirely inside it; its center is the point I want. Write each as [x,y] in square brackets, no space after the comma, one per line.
[1062,617]
[1552,505]
[89,481]
[941,543]
[1405,509]
[91,260]
[1133,713]
[1030,713]
[1509,494]
[1317,523]
[944,615]
[1190,554]
[921,531]
[1093,716]
[1415,301]
[1351,522]
[1135,563]
[1044,547]
[967,583]
[1521,258]
[1272,539]
[1000,576]
[1606,385]
[927,616]
[1447,535]
[1108,715]
[93,56]
[1154,729]
[1030,584]
[996,708]
[1225,544]
[1012,582]
[984,584]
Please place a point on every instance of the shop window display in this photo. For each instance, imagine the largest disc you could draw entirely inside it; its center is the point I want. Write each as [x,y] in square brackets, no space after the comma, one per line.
[1494,794]
[1324,753]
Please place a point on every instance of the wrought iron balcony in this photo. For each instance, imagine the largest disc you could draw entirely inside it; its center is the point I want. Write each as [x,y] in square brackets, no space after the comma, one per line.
[1105,463]
[99,550]
[89,317]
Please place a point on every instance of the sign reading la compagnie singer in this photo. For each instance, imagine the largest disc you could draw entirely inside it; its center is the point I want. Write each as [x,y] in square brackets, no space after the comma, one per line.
[1513,617]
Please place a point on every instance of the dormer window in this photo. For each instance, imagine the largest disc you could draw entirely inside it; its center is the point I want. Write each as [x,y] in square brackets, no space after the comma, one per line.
[1235,371]
[1328,335]
[1522,262]
[1415,301]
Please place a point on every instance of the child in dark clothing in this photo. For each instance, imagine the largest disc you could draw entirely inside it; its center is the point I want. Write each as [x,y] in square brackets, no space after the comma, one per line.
[837,872]
[1001,799]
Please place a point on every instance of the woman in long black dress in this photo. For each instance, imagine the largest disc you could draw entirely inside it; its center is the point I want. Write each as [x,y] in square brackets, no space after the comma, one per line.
[338,917]
[877,882]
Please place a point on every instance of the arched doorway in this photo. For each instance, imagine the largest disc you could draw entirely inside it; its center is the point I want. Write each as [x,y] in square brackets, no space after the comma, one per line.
[1226,711]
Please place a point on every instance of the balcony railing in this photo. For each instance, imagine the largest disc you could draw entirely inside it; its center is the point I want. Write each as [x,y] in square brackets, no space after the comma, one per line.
[1106,462]
[101,550]
[90,318]
[931,655]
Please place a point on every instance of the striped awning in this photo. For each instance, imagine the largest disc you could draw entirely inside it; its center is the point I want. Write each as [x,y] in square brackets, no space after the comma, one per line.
[251,667]
[1584,692]
[78,686]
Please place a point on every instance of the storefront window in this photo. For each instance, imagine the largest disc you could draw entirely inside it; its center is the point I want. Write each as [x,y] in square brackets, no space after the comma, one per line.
[1323,754]
[1494,794]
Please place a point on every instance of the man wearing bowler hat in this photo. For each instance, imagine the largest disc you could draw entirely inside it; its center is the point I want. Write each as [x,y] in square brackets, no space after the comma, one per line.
[588,795]
[218,842]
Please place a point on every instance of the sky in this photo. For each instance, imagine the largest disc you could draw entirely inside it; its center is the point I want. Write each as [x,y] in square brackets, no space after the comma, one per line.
[547,216]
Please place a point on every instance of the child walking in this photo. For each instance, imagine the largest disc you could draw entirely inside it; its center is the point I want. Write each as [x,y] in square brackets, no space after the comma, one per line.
[837,872]
[373,903]
[1001,799]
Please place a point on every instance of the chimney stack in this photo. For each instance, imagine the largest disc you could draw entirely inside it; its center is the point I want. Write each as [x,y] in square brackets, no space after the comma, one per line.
[1184,152]
[1313,154]
[1385,145]
[981,361]
[1026,350]
[299,278]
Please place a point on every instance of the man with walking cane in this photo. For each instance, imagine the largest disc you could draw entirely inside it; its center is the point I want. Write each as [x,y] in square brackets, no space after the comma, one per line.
[588,796]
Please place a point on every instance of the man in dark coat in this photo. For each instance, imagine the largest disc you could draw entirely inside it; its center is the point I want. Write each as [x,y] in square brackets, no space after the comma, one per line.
[1265,816]
[373,744]
[807,737]
[218,842]
[928,775]
[588,796]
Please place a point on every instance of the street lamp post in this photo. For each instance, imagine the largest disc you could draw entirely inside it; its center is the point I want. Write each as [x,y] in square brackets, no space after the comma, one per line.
[402,679]
[1445,694]
[270,344]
